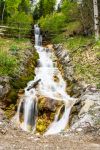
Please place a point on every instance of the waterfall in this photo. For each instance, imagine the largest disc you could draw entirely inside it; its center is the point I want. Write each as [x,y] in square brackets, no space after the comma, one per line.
[58,4]
[38,36]
[27,113]
[35,2]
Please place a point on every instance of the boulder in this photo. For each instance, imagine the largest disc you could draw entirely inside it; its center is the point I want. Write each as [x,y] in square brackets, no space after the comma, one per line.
[45,103]
[88,114]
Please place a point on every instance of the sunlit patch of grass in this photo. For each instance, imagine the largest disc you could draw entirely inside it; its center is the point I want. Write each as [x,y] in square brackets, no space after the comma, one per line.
[9,47]
[85,58]
[78,42]
[8,63]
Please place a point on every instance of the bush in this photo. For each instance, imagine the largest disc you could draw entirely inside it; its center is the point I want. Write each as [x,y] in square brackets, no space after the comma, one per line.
[20,24]
[70,10]
[52,23]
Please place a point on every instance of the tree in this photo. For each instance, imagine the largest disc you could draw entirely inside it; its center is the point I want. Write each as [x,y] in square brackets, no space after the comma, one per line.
[43,8]
[70,10]
[96,19]
[24,6]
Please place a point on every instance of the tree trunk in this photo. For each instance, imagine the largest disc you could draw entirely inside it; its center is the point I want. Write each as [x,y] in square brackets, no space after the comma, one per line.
[3,13]
[96,19]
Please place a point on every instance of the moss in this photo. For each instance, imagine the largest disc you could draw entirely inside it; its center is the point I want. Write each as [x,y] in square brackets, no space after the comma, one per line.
[12,96]
[98,86]
[42,124]
[10,111]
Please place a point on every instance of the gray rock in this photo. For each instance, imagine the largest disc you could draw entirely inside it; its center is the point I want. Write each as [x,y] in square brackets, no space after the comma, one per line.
[2,116]
[89,112]
[4,86]
[64,59]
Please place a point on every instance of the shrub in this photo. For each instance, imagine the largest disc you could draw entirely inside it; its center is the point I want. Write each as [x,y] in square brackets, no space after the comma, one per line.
[70,10]
[52,23]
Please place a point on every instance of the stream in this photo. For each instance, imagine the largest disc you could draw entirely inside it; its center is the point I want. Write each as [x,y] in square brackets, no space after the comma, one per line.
[46,86]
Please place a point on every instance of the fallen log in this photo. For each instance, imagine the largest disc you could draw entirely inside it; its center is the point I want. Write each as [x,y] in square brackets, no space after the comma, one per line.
[34,85]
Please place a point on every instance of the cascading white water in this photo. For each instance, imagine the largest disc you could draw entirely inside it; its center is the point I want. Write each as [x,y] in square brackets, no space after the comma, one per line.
[58,4]
[47,87]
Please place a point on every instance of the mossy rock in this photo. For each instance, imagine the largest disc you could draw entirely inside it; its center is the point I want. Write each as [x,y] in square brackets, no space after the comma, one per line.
[46,103]
[10,111]
[42,125]
[12,96]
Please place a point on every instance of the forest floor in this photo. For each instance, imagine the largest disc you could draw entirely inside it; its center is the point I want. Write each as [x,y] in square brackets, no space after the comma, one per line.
[16,139]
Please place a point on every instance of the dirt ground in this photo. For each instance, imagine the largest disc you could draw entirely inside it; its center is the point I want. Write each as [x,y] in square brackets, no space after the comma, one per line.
[16,139]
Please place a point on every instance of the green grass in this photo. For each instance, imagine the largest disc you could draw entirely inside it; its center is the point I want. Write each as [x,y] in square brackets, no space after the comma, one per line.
[78,41]
[85,57]
[11,52]
[7,63]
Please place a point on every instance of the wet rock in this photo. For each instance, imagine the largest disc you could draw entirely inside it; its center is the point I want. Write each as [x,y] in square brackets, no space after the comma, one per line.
[45,103]
[47,109]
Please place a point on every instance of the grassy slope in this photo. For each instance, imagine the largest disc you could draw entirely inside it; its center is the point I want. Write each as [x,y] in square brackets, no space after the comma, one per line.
[14,55]
[11,51]
[85,55]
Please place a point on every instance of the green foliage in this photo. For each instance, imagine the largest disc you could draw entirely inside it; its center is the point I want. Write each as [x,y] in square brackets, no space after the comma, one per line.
[57,21]
[44,8]
[52,23]
[20,24]
[78,41]
[24,6]
[14,48]
[59,39]
[16,11]
[70,10]
[7,63]
[86,15]
[98,86]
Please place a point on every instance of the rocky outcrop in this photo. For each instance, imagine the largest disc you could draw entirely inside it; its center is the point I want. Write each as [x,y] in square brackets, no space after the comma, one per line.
[47,109]
[86,111]
[88,115]
[74,88]
[46,103]
[65,60]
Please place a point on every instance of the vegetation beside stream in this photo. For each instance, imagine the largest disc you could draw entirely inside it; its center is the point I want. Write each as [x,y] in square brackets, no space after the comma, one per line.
[18,60]
[76,34]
